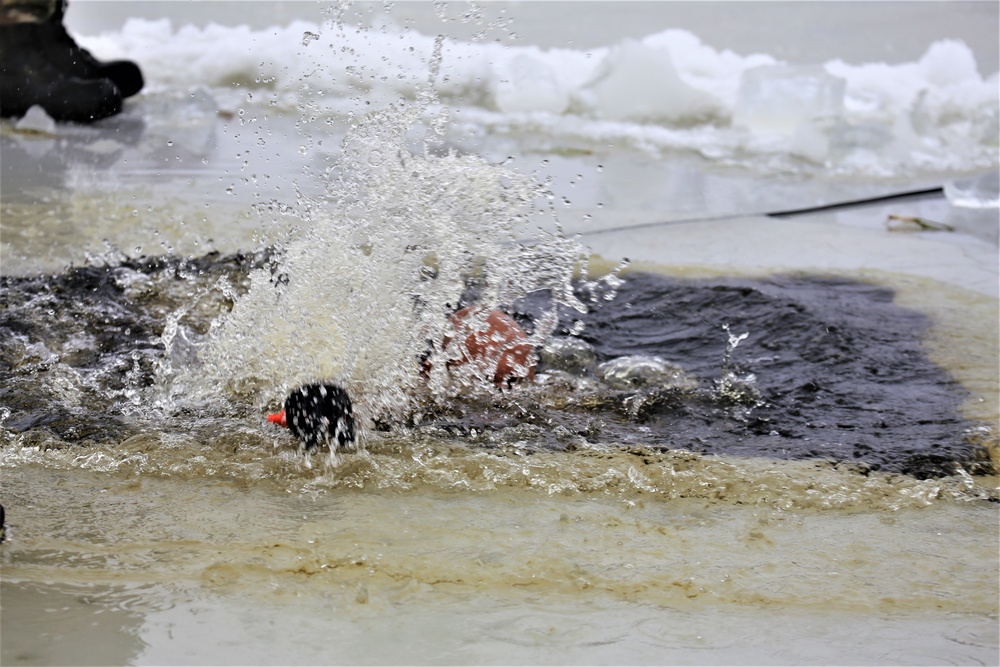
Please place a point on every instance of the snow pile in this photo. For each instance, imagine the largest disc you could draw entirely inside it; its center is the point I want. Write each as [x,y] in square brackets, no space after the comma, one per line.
[668,91]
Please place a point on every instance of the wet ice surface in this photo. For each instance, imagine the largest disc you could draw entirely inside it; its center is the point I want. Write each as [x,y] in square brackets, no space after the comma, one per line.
[217,164]
[169,175]
[170,571]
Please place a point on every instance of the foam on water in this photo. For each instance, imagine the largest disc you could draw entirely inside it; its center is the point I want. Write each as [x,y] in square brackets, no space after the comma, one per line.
[493,462]
[665,92]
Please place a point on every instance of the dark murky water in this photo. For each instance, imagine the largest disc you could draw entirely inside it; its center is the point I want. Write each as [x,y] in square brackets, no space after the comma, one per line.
[74,344]
[839,371]
[830,368]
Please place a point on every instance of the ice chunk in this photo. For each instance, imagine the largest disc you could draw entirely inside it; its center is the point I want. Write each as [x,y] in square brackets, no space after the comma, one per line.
[782,99]
[571,355]
[986,124]
[638,82]
[982,191]
[640,370]
[868,146]
[527,84]
[36,121]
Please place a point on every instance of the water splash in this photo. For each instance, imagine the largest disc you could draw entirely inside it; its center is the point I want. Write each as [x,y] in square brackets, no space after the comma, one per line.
[366,285]
[735,386]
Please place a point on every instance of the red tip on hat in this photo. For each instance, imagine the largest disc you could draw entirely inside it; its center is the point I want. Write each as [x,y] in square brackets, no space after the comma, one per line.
[278,418]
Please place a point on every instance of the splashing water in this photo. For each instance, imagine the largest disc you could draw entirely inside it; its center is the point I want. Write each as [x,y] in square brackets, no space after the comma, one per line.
[365,288]
[732,386]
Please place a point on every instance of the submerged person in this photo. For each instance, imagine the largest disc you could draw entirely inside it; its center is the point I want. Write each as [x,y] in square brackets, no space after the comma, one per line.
[492,343]
[318,414]
[41,64]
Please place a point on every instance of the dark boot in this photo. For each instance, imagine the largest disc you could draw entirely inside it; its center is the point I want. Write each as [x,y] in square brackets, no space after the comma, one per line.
[63,51]
[28,78]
